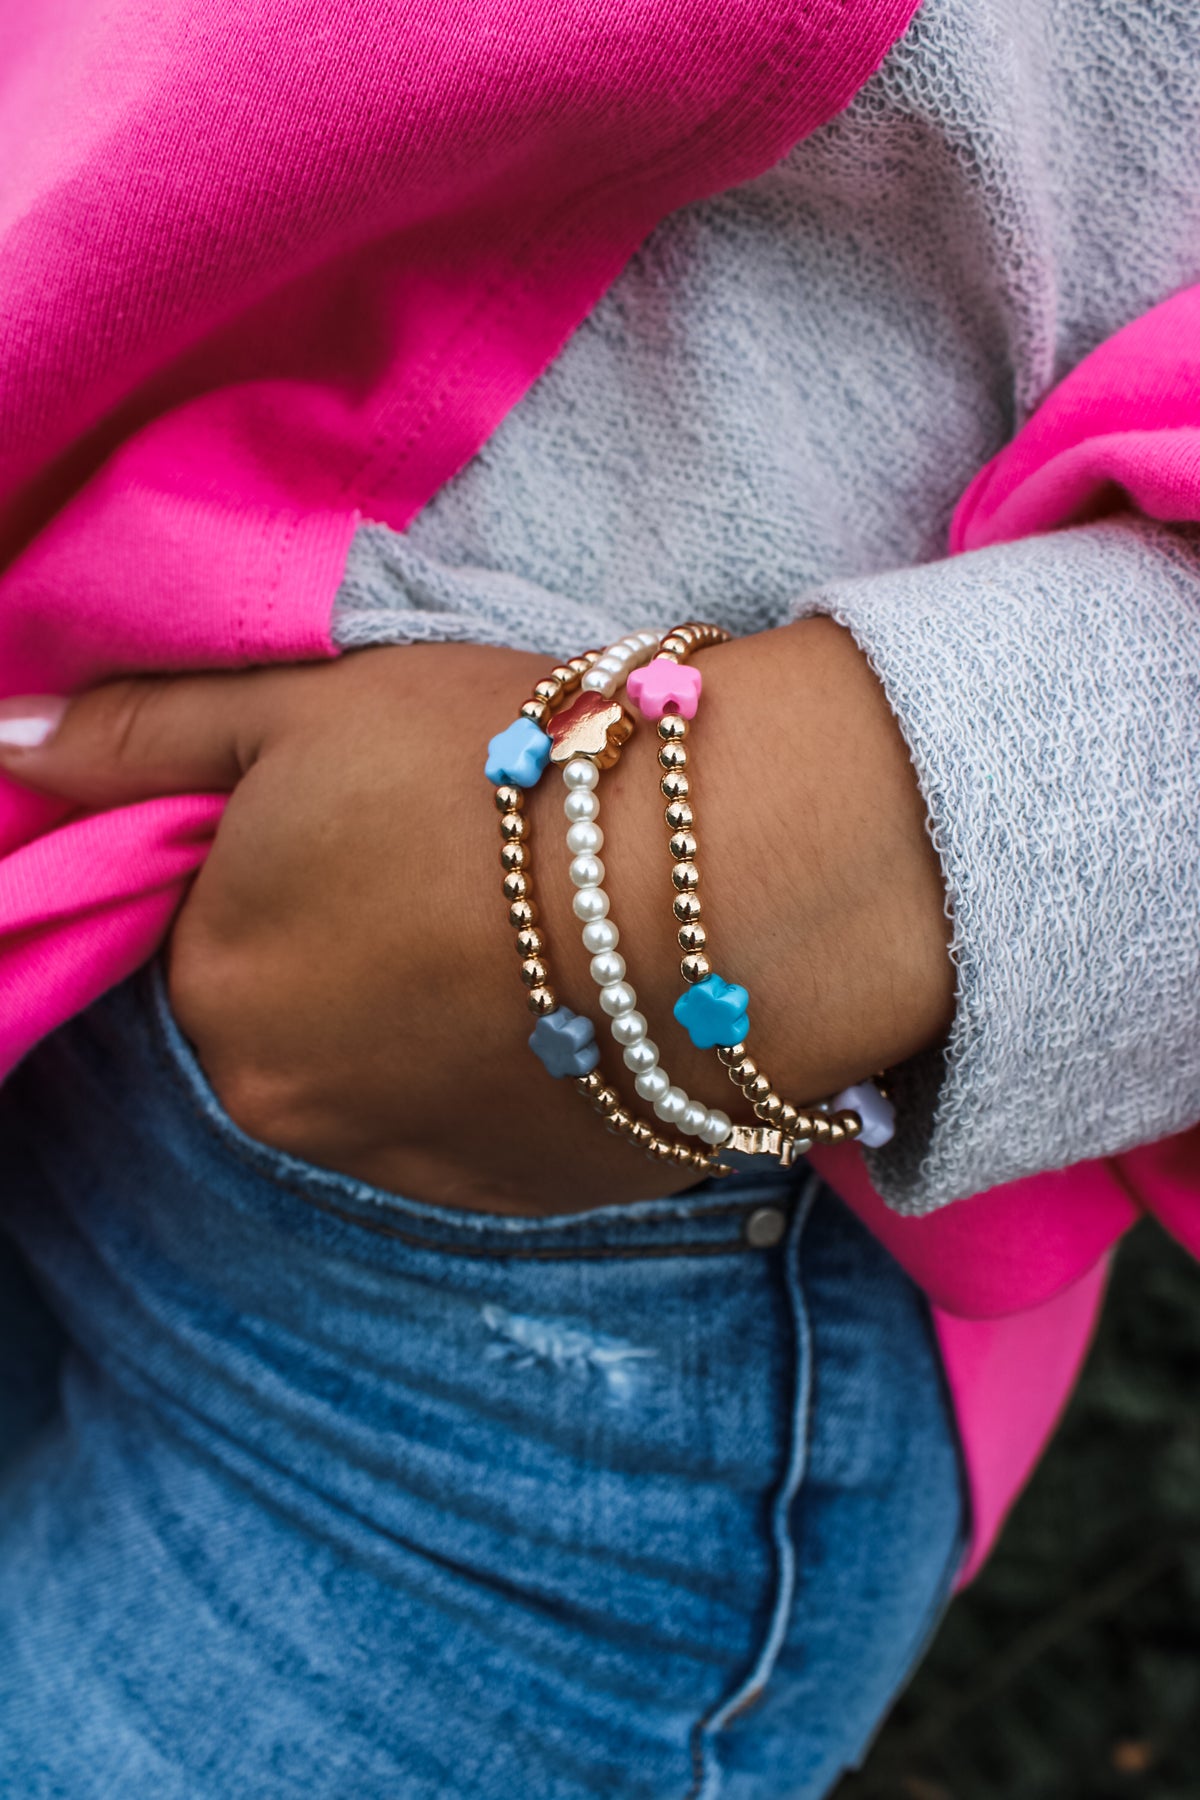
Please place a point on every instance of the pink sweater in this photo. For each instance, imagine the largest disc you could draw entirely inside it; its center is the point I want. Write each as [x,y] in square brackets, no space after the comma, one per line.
[261,276]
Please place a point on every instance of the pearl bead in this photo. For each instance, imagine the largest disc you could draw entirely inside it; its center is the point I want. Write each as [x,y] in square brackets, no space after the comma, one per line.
[716,1127]
[600,935]
[581,804]
[653,1084]
[583,839]
[695,1116]
[630,1028]
[672,1105]
[593,681]
[586,871]
[640,1056]
[617,997]
[608,967]
[590,903]
[581,772]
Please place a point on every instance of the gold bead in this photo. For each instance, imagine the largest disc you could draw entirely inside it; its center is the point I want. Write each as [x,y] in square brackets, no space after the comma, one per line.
[516,885]
[509,799]
[534,972]
[618,1122]
[589,1084]
[818,1129]
[757,1088]
[675,785]
[837,1134]
[567,677]
[768,1108]
[685,877]
[537,710]
[788,1120]
[522,914]
[682,846]
[513,825]
[850,1123]
[513,856]
[742,1071]
[728,1054]
[674,646]
[695,967]
[672,729]
[673,758]
[578,665]
[692,937]
[540,1000]
[606,1099]
[679,816]
[529,942]
[640,1134]
[683,1155]
[659,1150]
[548,690]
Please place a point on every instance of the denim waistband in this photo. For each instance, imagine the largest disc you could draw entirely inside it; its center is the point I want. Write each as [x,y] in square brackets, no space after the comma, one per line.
[714,1218]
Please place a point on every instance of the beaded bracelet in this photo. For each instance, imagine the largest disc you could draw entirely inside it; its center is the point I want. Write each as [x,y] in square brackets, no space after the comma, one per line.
[714,1012]
[565,1041]
[584,738]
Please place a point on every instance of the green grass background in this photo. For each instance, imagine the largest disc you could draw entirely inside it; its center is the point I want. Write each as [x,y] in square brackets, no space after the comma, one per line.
[1071,1669]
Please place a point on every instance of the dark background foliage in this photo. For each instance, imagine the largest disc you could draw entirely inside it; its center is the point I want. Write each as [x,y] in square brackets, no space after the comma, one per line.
[1071,1669]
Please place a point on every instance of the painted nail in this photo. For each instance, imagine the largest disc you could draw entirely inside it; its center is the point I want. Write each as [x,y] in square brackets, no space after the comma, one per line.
[30,721]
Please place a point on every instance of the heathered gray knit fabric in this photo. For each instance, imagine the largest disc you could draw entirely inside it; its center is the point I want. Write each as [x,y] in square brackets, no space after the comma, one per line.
[774,411]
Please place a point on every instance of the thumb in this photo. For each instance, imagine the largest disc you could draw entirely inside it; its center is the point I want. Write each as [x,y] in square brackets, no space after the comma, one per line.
[133,739]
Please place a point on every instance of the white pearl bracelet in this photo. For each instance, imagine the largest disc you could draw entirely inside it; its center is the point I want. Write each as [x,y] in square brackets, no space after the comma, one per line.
[618,998]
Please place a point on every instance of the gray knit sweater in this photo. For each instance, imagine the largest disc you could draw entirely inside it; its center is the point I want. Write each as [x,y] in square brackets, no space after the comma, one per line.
[773,412]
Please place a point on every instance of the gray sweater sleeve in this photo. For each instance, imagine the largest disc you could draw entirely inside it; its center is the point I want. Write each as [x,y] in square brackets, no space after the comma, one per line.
[1049,692]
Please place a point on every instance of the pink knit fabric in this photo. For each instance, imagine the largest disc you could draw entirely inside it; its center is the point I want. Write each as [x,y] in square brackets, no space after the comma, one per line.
[263,272]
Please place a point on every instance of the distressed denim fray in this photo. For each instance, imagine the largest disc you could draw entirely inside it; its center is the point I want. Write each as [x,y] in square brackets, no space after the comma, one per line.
[347,1497]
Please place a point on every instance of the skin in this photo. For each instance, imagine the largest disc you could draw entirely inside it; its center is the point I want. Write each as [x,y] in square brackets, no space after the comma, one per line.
[343,962]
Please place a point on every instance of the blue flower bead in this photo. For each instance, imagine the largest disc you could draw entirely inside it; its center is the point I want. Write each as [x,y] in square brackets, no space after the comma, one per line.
[714,1012]
[518,754]
[566,1043]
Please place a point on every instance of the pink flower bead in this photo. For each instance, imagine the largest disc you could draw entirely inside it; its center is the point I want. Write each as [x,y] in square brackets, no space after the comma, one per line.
[664,686]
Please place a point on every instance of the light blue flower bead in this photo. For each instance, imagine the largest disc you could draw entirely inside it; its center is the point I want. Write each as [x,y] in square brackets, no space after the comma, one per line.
[714,1012]
[565,1042]
[518,754]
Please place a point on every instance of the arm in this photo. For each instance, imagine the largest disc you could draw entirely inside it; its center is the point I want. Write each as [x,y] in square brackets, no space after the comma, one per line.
[343,963]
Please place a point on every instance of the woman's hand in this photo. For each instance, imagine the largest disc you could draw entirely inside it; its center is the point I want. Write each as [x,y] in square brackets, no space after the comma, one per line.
[343,963]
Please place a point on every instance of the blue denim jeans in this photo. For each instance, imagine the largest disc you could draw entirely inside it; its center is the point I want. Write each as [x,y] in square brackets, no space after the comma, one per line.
[345,1497]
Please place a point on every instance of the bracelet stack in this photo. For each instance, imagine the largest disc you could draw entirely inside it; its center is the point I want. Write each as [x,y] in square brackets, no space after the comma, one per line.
[574,721]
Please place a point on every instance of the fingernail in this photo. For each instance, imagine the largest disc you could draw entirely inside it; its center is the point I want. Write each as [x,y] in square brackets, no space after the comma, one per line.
[30,721]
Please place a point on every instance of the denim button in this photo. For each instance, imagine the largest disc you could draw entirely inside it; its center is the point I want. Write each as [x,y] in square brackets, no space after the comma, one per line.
[765,1227]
